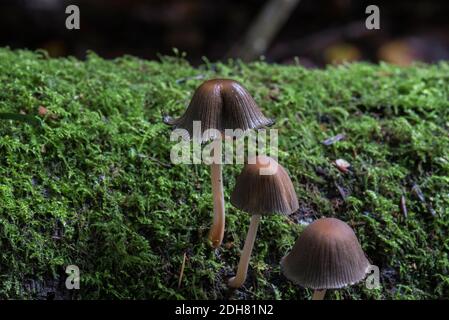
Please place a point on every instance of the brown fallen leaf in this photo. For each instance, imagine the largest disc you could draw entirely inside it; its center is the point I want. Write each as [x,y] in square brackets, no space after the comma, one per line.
[42,111]
[342,165]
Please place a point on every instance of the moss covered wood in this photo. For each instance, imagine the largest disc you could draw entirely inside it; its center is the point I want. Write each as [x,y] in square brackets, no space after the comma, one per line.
[92,185]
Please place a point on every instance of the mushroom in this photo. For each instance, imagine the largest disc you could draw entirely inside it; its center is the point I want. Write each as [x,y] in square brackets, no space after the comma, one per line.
[220,104]
[262,188]
[327,255]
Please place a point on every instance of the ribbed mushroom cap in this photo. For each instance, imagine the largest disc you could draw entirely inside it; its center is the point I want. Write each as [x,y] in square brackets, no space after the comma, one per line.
[221,104]
[257,192]
[327,255]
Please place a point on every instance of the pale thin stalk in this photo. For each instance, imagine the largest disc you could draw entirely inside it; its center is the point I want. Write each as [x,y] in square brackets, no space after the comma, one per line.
[218,225]
[242,269]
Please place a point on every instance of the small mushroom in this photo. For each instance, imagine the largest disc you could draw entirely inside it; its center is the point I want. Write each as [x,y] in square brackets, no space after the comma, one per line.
[220,104]
[262,188]
[327,255]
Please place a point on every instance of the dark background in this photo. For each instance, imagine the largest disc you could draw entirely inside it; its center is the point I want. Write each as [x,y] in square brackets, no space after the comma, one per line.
[317,31]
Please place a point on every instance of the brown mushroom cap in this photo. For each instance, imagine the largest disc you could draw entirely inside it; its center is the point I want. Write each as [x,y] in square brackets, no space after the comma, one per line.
[221,104]
[327,255]
[262,194]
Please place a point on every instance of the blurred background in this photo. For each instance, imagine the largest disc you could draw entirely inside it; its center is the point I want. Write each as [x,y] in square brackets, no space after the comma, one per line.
[311,32]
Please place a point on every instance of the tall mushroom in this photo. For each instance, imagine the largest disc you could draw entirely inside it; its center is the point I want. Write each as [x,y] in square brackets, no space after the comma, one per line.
[220,104]
[262,188]
[327,255]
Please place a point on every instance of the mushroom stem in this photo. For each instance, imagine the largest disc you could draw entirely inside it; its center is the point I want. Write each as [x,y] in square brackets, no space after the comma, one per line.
[218,225]
[319,294]
[239,279]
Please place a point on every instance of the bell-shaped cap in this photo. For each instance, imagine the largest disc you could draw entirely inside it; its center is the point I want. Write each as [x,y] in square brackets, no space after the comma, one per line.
[327,255]
[264,187]
[220,104]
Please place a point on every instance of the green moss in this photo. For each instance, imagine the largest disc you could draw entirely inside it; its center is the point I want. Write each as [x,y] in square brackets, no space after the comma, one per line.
[93,185]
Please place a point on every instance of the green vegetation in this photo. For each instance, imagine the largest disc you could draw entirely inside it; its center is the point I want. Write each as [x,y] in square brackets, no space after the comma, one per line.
[90,182]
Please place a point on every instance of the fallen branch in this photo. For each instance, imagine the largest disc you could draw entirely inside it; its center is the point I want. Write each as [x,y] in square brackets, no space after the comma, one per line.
[264,29]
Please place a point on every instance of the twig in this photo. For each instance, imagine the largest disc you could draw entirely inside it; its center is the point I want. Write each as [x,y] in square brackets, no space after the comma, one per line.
[332,140]
[163,164]
[261,33]
[403,207]
[417,191]
[181,273]
[420,195]
[341,190]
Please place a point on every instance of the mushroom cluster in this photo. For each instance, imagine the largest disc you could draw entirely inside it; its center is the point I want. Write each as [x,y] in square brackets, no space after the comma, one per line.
[327,254]
[220,105]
